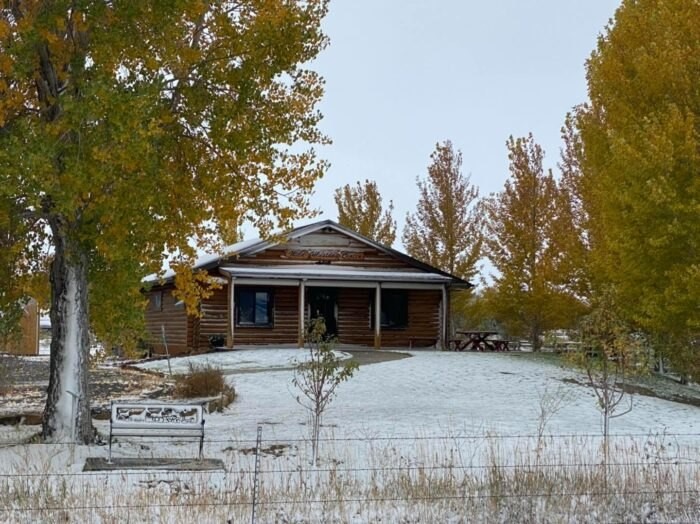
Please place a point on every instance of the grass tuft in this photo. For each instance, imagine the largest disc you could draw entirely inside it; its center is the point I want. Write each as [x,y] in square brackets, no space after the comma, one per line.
[203,381]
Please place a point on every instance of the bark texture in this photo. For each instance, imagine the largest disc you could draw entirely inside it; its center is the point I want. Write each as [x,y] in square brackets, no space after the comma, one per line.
[67,413]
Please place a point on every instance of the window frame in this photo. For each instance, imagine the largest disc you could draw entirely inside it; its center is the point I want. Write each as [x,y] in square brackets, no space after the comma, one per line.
[254,290]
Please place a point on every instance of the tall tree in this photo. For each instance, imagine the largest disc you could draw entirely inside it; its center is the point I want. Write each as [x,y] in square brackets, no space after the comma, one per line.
[445,230]
[640,133]
[360,209]
[526,240]
[128,128]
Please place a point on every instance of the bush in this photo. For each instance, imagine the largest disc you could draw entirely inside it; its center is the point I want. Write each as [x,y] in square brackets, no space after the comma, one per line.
[203,381]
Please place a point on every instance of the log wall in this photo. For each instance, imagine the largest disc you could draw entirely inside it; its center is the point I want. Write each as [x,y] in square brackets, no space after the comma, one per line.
[423,320]
[173,318]
[284,329]
[214,319]
[27,343]
[354,316]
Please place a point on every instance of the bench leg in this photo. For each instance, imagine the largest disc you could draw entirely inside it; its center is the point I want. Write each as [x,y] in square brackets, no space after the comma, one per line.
[201,442]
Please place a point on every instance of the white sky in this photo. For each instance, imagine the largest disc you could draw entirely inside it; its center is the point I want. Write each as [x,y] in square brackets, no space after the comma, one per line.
[402,75]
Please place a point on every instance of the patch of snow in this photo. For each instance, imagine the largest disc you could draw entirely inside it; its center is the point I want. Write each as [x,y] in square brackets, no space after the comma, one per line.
[45,346]
[432,393]
[434,408]
[204,260]
[231,361]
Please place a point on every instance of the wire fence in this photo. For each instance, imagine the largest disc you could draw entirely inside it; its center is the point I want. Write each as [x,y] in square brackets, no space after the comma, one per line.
[433,476]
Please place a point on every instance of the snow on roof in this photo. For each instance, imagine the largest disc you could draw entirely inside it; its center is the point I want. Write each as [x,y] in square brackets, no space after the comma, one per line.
[325,272]
[207,259]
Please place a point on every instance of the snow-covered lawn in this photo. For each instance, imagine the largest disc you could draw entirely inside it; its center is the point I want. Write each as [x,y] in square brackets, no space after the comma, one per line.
[399,429]
[232,361]
[429,394]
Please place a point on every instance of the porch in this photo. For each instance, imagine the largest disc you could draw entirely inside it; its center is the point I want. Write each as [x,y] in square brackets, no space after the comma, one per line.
[404,309]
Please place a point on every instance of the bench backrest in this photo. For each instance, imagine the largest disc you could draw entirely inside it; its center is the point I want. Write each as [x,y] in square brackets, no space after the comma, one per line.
[156,417]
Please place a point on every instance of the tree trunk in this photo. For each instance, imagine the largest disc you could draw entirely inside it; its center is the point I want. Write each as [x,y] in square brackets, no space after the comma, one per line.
[535,337]
[67,413]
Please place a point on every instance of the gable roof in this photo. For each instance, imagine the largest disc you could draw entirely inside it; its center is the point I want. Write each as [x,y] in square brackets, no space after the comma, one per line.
[257,245]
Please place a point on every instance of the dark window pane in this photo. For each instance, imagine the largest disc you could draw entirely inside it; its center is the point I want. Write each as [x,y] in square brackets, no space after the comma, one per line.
[246,307]
[261,307]
[394,312]
[253,307]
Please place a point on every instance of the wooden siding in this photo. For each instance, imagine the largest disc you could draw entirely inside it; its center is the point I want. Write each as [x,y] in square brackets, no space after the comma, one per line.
[28,341]
[353,316]
[214,319]
[423,320]
[173,318]
[284,329]
[327,241]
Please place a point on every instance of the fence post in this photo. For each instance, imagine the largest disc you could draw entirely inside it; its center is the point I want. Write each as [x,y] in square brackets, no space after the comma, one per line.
[256,473]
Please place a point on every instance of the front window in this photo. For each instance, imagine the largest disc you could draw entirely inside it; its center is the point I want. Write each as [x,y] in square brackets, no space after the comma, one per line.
[394,314]
[253,307]
[394,309]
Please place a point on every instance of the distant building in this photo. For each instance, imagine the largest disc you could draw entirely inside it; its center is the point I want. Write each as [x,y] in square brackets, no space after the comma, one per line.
[27,343]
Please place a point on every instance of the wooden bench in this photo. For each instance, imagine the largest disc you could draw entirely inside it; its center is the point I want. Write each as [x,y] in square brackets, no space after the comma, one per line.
[150,419]
[430,341]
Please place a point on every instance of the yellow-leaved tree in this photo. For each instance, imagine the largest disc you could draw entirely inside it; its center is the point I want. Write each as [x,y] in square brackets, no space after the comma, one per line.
[360,209]
[640,161]
[527,238]
[128,128]
[445,229]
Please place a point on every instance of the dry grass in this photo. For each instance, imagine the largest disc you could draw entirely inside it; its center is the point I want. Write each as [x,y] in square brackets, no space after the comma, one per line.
[202,381]
[4,374]
[455,480]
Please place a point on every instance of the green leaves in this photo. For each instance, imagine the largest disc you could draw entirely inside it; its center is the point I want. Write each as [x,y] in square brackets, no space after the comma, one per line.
[530,239]
[143,125]
[641,160]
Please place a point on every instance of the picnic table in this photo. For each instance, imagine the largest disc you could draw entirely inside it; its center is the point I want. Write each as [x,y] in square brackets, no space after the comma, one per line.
[478,341]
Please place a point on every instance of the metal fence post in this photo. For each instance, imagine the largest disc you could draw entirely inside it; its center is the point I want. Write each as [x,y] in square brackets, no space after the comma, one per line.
[256,473]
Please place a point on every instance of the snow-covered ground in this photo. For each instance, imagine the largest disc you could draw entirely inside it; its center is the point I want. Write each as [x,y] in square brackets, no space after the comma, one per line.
[433,410]
[429,394]
[232,361]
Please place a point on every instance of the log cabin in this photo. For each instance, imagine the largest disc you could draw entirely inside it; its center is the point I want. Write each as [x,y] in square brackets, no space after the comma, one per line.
[368,295]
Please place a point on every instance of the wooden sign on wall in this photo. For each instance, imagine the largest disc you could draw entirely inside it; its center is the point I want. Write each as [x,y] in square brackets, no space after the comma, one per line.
[322,254]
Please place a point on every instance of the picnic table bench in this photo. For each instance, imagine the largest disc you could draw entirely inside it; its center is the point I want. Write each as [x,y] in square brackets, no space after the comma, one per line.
[417,341]
[478,341]
[151,419]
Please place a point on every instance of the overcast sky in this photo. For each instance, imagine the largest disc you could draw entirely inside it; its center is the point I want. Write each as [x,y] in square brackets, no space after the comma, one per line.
[402,75]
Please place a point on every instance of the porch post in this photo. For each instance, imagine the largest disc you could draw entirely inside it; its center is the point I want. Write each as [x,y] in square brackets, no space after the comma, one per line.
[302,312]
[231,313]
[445,324]
[378,316]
